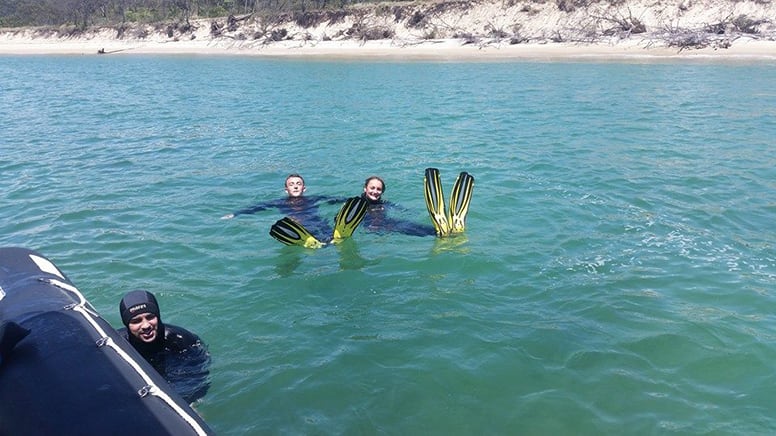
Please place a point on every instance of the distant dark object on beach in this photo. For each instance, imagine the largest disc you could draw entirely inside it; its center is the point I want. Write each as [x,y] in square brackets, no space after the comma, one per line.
[101,51]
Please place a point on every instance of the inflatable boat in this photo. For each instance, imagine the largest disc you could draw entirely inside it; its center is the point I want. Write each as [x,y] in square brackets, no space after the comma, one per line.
[64,370]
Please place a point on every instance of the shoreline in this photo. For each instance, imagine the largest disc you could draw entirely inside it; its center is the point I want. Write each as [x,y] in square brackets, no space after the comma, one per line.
[438,50]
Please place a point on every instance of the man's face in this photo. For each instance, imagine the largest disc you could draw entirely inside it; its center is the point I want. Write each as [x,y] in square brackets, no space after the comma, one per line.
[144,326]
[295,186]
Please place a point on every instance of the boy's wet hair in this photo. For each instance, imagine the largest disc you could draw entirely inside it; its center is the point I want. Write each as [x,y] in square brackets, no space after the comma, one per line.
[295,175]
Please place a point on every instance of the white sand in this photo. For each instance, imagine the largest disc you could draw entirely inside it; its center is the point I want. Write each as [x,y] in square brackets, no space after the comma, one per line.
[536,23]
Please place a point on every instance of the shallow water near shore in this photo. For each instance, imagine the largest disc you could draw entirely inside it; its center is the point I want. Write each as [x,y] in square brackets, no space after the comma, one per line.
[616,276]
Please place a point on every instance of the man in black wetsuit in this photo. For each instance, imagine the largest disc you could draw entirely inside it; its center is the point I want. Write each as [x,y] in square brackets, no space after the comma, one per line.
[176,353]
[297,206]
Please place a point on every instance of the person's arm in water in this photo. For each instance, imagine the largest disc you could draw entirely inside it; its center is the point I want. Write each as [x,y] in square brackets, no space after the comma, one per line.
[251,210]
[333,200]
[179,339]
[187,363]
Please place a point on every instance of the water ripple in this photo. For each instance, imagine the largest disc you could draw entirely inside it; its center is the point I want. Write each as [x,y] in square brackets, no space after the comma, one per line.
[615,277]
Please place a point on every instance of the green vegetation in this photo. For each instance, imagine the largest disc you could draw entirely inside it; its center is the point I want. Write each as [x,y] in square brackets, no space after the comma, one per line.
[85,13]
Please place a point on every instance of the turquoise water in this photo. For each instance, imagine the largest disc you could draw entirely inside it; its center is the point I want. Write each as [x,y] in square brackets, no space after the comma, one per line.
[617,275]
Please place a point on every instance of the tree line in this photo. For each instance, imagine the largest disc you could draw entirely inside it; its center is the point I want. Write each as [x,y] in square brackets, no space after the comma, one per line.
[85,13]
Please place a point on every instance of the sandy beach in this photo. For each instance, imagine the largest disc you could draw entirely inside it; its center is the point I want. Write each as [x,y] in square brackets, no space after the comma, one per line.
[389,50]
[479,31]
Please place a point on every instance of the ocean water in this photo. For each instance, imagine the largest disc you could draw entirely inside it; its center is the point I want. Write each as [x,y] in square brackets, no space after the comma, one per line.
[617,274]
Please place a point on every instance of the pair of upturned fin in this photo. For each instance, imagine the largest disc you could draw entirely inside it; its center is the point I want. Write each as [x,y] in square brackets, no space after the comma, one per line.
[290,232]
[453,220]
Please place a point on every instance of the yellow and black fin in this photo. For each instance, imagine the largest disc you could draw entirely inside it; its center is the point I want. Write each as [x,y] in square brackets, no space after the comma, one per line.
[459,202]
[291,232]
[435,201]
[349,217]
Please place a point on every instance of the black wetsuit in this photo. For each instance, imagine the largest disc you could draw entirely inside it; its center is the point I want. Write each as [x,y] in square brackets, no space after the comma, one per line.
[179,356]
[303,210]
[378,221]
